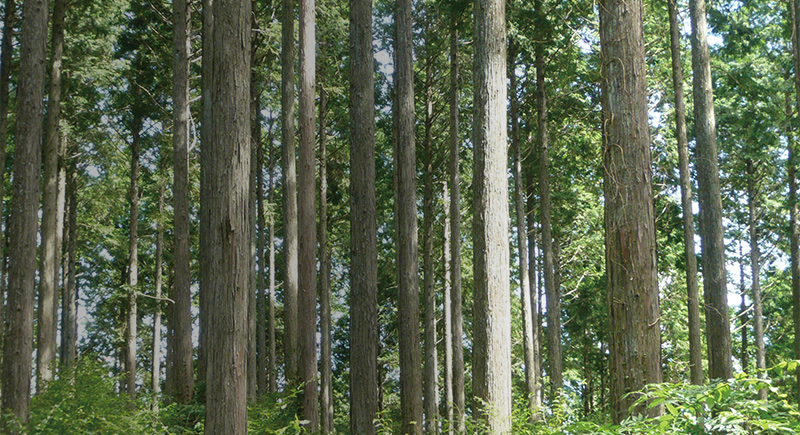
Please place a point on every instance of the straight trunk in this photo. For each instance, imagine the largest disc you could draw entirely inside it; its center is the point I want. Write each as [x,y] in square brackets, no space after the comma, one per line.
[69,296]
[533,272]
[156,374]
[46,331]
[793,208]
[522,238]
[18,344]
[252,323]
[363,226]
[431,371]
[228,256]
[755,268]
[633,303]
[457,322]
[290,271]
[6,48]
[180,340]
[693,298]
[715,293]
[326,378]
[132,315]
[406,215]
[492,311]
[272,364]
[743,319]
[447,314]
[261,297]
[307,217]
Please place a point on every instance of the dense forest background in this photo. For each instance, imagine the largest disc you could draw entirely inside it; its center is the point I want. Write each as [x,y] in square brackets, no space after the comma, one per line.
[129,97]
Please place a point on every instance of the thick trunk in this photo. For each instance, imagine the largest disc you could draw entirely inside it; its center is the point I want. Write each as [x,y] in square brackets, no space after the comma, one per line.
[693,298]
[132,314]
[755,268]
[289,194]
[715,294]
[793,209]
[46,330]
[18,344]
[447,314]
[69,296]
[228,256]
[307,217]
[326,375]
[431,371]
[457,322]
[522,237]
[363,227]
[159,278]
[406,215]
[180,340]
[633,304]
[492,311]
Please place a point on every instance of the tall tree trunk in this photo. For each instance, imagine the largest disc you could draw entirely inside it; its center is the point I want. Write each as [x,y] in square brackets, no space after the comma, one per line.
[252,313]
[406,215]
[69,296]
[431,370]
[261,297]
[447,315]
[633,304]
[18,344]
[522,236]
[743,318]
[180,340]
[326,378]
[492,311]
[46,330]
[793,208]
[6,48]
[363,225]
[755,268]
[715,293]
[159,278]
[693,298]
[272,365]
[289,194]
[208,32]
[227,172]
[552,289]
[533,272]
[307,217]
[132,315]
[459,402]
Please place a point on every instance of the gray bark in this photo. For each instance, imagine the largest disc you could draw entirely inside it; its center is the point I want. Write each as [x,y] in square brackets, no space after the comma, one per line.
[6,47]
[159,279]
[326,375]
[447,315]
[755,268]
[132,314]
[794,216]
[69,295]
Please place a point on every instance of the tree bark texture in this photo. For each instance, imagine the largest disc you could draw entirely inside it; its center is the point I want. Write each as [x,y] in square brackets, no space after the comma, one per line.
[492,311]
[447,312]
[159,279]
[272,364]
[261,297]
[6,48]
[363,226]
[228,254]
[18,344]
[325,321]
[715,293]
[693,298]
[46,330]
[69,296]
[755,268]
[794,216]
[635,337]
[132,313]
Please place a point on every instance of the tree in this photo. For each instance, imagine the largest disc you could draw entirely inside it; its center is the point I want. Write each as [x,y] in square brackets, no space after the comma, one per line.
[69,295]
[718,330]
[492,324]
[6,47]
[307,217]
[159,282]
[755,268]
[132,312]
[406,216]
[693,298]
[794,216]
[325,321]
[363,227]
[447,315]
[290,277]
[18,344]
[52,212]
[227,170]
[635,337]
[180,341]
[261,296]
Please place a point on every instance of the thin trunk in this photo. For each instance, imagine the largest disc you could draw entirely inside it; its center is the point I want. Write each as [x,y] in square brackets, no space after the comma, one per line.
[715,294]
[533,272]
[261,298]
[180,339]
[18,344]
[289,194]
[522,237]
[363,226]
[326,388]
[755,268]
[492,311]
[793,208]
[273,363]
[46,330]
[132,315]
[252,200]
[693,298]
[743,318]
[69,308]
[406,215]
[431,371]
[307,217]
[630,240]
[447,312]
[156,374]
[6,48]
[459,402]
[228,256]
